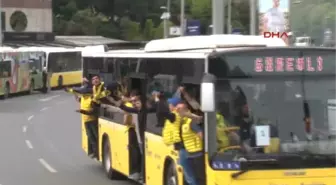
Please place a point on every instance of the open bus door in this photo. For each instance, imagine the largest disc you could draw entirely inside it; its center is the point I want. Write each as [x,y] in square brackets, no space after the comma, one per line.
[139,81]
[122,146]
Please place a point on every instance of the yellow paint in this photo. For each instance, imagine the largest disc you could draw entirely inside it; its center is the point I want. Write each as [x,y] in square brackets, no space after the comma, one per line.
[84,138]
[157,152]
[118,138]
[69,78]
[323,176]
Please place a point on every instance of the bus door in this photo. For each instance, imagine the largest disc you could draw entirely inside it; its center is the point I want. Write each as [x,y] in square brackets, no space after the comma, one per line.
[139,82]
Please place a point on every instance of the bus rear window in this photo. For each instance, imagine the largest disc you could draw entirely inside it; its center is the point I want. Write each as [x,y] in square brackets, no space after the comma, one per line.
[283,62]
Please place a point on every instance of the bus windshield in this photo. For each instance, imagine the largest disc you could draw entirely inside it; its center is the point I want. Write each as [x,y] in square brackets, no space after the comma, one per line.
[279,107]
[288,113]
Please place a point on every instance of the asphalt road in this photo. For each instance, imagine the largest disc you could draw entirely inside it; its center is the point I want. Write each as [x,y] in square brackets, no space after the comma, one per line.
[40,140]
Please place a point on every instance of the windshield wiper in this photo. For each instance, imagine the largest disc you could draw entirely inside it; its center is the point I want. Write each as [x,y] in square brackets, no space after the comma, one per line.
[237,174]
[329,157]
[254,161]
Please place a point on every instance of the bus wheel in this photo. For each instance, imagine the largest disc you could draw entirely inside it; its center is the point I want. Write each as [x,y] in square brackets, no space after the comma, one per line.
[107,160]
[6,91]
[31,87]
[60,81]
[171,175]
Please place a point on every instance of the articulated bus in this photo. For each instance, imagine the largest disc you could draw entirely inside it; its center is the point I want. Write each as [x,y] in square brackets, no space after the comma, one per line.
[20,71]
[281,99]
[64,65]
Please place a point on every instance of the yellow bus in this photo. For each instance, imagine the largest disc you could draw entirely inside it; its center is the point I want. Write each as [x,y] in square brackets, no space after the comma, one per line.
[63,65]
[280,97]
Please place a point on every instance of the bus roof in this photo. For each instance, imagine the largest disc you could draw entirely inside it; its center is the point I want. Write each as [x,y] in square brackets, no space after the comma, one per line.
[49,49]
[146,55]
[126,51]
[211,42]
[6,49]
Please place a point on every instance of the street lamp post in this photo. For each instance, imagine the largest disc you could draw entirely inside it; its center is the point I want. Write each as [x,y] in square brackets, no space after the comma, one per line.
[182,18]
[253,17]
[229,25]
[1,37]
[165,17]
[218,12]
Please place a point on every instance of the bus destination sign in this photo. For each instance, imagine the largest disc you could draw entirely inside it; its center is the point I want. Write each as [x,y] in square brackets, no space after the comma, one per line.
[289,64]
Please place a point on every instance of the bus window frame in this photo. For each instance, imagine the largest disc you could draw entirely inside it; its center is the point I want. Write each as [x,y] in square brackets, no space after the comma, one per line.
[61,54]
[10,69]
[152,126]
[111,114]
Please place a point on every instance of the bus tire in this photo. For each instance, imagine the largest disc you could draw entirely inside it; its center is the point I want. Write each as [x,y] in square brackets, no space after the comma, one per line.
[170,174]
[6,91]
[31,87]
[60,82]
[107,161]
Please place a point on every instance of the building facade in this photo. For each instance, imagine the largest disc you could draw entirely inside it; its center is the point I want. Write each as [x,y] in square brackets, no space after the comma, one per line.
[26,20]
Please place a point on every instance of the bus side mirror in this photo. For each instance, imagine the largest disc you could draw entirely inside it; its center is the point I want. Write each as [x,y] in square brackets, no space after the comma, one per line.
[208,93]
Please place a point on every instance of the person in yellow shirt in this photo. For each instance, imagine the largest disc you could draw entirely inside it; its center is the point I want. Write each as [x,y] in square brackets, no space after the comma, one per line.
[192,143]
[84,95]
[226,135]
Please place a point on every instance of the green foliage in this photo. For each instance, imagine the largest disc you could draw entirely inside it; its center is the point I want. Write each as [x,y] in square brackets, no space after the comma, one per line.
[131,19]
[158,32]
[130,30]
[311,18]
[149,32]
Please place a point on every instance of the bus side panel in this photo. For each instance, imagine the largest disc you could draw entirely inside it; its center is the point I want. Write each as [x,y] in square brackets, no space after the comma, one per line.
[22,81]
[106,127]
[217,177]
[69,78]
[156,153]
[2,85]
[120,148]
[118,138]
[84,138]
[38,82]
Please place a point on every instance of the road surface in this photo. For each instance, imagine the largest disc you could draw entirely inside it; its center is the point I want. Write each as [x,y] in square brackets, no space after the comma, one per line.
[40,140]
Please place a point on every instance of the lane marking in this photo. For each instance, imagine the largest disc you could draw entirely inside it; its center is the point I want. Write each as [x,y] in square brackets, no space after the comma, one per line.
[29,145]
[49,98]
[45,108]
[47,166]
[30,117]
[59,103]
[24,129]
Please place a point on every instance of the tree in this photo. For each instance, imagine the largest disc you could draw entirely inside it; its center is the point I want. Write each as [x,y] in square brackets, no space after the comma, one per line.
[132,20]
[148,32]
[311,18]
[159,33]
[130,30]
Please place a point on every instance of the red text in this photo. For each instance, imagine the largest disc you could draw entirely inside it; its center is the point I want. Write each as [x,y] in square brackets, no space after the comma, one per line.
[275,35]
[288,64]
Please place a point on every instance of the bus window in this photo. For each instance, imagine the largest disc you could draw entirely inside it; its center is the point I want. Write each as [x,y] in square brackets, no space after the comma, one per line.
[64,61]
[5,69]
[152,125]
[107,72]
[173,72]
[35,64]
